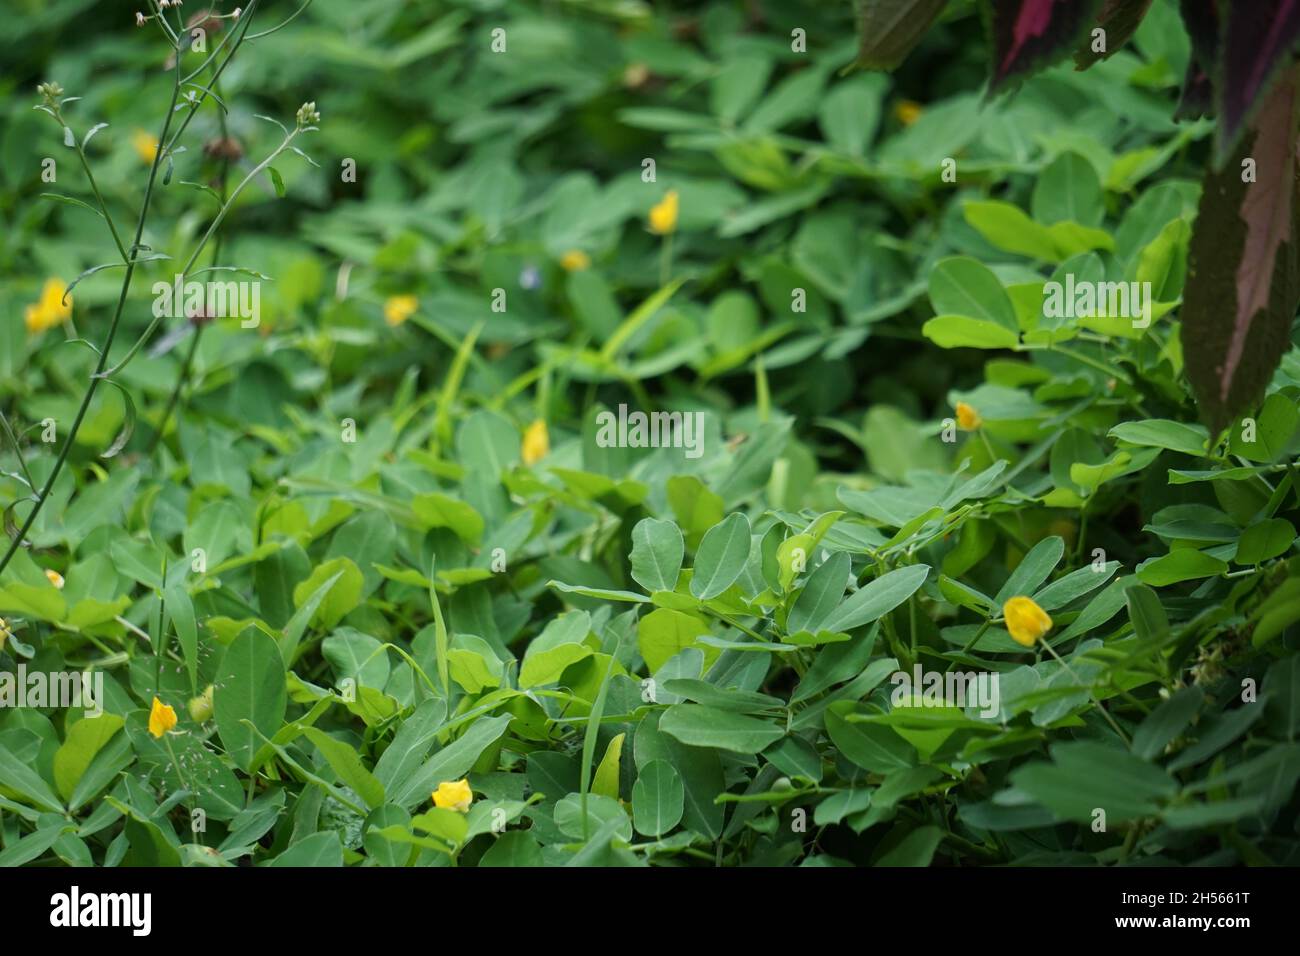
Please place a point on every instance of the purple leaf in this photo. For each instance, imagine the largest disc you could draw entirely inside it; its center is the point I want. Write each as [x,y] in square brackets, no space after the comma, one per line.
[1243,282]
[1201,20]
[1120,20]
[1029,35]
[1258,39]
[890,28]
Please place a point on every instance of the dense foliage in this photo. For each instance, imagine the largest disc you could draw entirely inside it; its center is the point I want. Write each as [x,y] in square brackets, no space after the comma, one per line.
[388,577]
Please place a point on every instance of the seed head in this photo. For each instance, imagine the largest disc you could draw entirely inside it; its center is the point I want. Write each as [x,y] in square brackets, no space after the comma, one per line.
[307,115]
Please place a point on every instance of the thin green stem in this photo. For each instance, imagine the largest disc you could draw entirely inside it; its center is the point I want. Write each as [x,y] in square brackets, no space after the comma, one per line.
[182,377]
[1104,713]
[102,363]
[103,208]
[212,228]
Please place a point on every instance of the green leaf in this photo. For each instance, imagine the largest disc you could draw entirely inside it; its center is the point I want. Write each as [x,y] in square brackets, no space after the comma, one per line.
[1185,564]
[915,849]
[317,850]
[657,551]
[700,726]
[1085,776]
[1163,433]
[872,747]
[341,598]
[402,759]
[450,763]
[437,510]
[1146,612]
[1034,568]
[664,632]
[85,739]
[514,848]
[658,799]
[820,596]
[721,557]
[1068,190]
[347,764]
[561,643]
[959,331]
[181,609]
[251,687]
[875,600]
[33,846]
[1166,722]
[1007,227]
[605,780]
[1264,540]
[961,286]
[1273,430]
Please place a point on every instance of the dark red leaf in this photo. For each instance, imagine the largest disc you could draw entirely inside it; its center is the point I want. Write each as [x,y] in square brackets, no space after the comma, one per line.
[888,29]
[1029,35]
[1120,20]
[1197,98]
[1201,20]
[1243,281]
[1259,37]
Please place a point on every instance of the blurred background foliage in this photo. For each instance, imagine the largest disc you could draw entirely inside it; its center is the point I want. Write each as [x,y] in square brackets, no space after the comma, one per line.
[479,170]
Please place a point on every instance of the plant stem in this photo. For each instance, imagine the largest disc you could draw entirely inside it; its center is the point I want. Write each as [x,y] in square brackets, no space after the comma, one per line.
[216,223]
[102,363]
[1105,713]
[182,377]
[81,154]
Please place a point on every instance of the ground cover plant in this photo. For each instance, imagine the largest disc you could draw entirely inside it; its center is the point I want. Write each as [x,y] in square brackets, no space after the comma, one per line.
[487,433]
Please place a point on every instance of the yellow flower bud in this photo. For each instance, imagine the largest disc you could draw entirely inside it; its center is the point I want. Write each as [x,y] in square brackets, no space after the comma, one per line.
[54,577]
[536,444]
[907,112]
[161,718]
[399,308]
[968,419]
[145,146]
[4,633]
[575,260]
[201,707]
[663,215]
[50,310]
[453,795]
[1026,621]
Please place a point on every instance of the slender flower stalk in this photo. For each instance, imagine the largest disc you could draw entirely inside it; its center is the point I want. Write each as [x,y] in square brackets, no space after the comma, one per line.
[187,364]
[38,502]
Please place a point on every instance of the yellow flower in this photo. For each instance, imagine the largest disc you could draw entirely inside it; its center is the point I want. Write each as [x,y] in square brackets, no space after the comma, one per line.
[1026,621]
[145,146]
[575,260]
[399,308]
[55,578]
[453,795]
[537,443]
[967,417]
[161,718]
[4,633]
[201,707]
[51,309]
[663,215]
[907,112]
